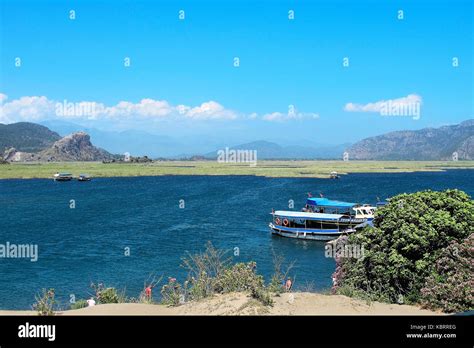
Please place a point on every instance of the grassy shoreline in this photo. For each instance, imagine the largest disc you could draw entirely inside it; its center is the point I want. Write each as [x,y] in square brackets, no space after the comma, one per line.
[266,168]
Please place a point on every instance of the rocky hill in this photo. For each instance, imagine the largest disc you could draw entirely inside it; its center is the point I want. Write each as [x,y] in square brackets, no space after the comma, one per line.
[26,137]
[74,147]
[424,144]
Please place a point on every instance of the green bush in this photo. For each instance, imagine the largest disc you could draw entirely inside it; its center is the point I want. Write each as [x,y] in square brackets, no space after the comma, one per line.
[239,277]
[450,286]
[401,250]
[79,304]
[263,295]
[212,273]
[107,294]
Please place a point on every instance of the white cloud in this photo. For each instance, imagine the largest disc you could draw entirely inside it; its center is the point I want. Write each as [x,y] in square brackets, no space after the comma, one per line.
[25,109]
[39,108]
[280,117]
[379,106]
[210,110]
[145,108]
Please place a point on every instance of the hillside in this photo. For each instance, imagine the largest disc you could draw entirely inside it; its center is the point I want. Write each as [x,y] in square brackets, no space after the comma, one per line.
[24,142]
[26,137]
[424,144]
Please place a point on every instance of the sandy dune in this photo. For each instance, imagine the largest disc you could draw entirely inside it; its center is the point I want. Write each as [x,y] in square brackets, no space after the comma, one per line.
[242,304]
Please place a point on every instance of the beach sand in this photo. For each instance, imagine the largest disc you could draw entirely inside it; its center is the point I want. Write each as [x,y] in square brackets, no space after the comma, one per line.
[242,304]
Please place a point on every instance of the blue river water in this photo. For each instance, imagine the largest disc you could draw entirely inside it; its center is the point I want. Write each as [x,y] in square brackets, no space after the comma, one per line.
[88,243]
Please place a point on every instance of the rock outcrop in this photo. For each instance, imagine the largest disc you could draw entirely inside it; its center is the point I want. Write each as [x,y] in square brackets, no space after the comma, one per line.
[74,147]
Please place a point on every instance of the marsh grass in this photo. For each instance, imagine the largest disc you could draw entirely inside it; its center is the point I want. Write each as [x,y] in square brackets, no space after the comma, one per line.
[289,168]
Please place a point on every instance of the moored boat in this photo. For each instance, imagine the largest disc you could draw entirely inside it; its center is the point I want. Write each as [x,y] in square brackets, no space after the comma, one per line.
[84,177]
[321,219]
[62,177]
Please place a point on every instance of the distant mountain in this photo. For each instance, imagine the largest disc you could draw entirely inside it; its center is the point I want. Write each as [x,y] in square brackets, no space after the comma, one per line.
[424,144]
[136,142]
[26,137]
[270,150]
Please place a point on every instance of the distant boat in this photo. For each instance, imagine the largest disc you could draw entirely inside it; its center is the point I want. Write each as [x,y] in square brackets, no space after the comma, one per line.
[84,177]
[334,175]
[322,219]
[62,177]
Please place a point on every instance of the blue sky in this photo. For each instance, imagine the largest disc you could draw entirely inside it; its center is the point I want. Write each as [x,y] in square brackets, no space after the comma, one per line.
[283,62]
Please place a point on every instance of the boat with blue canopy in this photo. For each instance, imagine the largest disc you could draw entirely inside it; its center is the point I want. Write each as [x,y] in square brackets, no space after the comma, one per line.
[321,219]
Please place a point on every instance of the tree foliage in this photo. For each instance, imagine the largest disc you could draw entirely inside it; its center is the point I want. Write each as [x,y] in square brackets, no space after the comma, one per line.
[409,236]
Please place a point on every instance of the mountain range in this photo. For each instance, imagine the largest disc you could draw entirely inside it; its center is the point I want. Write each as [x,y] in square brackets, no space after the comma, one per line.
[270,150]
[26,141]
[425,144]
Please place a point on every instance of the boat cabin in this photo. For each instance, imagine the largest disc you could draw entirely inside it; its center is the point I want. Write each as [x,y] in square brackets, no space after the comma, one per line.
[324,205]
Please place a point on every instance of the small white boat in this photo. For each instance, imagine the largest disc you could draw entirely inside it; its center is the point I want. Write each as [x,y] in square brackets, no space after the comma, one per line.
[84,177]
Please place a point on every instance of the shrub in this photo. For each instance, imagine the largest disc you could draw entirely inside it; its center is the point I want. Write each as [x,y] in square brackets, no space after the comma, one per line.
[107,294]
[79,304]
[239,277]
[211,273]
[262,295]
[203,268]
[280,273]
[45,302]
[401,250]
[172,294]
[450,286]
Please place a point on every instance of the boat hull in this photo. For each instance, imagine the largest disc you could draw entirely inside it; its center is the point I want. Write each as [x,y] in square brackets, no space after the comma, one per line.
[62,179]
[308,234]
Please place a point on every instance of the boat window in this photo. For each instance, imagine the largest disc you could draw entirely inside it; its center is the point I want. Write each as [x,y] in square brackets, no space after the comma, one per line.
[297,223]
[313,224]
[328,226]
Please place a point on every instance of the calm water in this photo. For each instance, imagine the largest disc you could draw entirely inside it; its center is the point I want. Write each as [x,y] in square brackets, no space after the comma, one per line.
[77,246]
